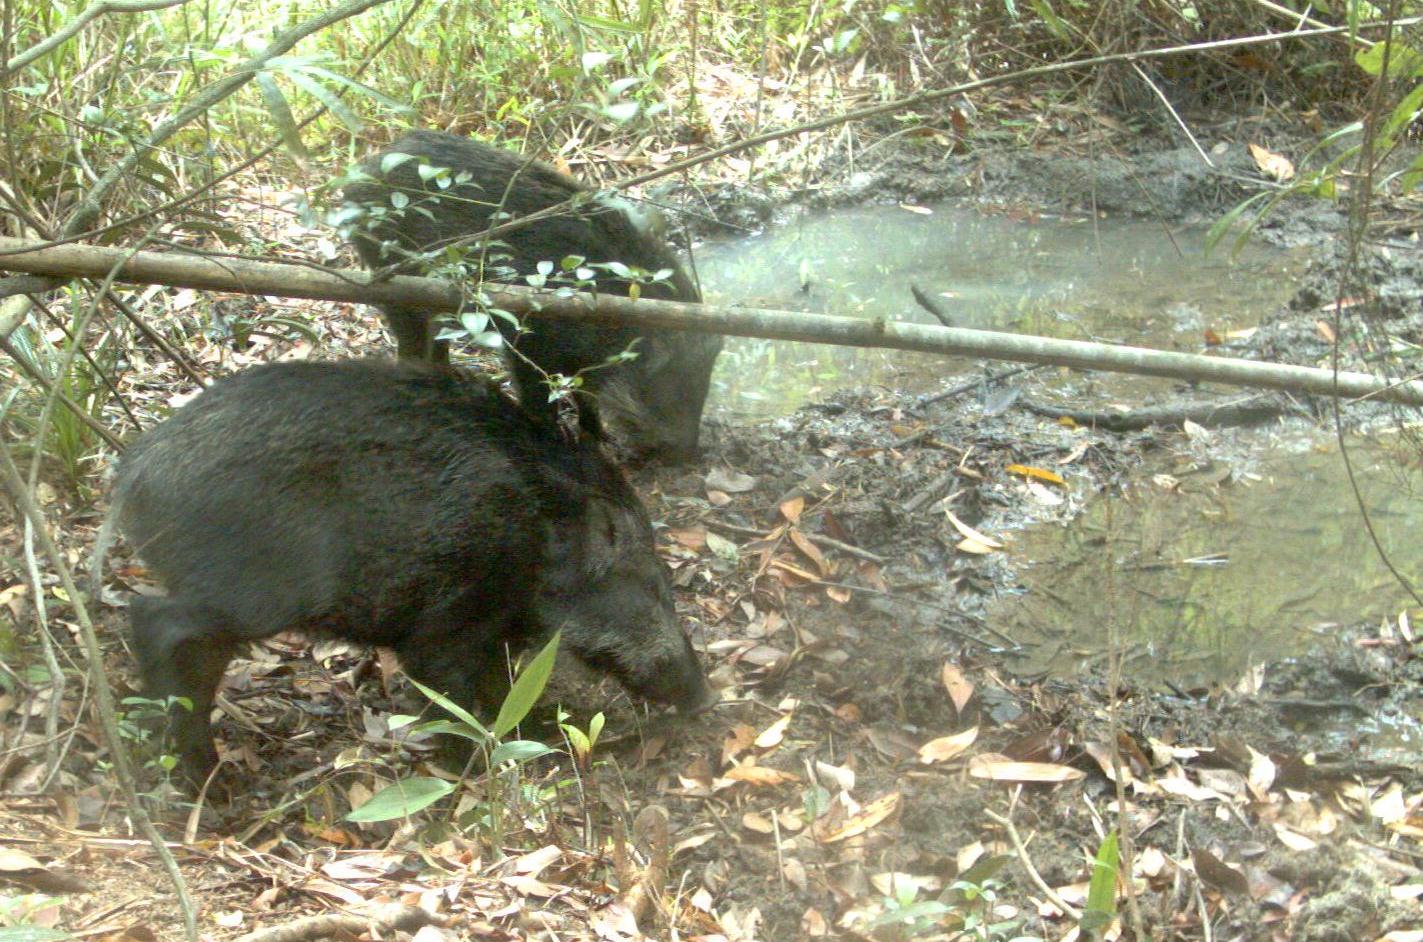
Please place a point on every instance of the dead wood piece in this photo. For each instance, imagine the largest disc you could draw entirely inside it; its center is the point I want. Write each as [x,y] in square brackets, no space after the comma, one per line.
[931,491]
[395,916]
[1218,413]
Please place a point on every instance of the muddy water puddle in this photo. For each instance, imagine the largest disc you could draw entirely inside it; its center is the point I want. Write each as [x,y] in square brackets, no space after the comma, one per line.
[1122,281]
[1198,580]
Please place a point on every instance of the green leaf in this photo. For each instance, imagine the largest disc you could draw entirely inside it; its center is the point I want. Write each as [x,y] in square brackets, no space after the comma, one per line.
[1102,890]
[451,707]
[405,797]
[527,689]
[1225,223]
[1402,61]
[281,113]
[1050,19]
[517,750]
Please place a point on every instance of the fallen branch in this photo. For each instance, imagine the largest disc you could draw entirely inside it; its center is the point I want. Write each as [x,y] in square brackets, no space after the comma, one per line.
[1218,413]
[270,278]
[386,918]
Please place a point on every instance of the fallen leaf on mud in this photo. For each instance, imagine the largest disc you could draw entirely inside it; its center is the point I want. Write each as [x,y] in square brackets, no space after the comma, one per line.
[849,713]
[758,823]
[1000,769]
[772,735]
[792,508]
[1103,756]
[534,863]
[920,210]
[1402,935]
[722,548]
[811,551]
[837,594]
[794,872]
[336,891]
[839,776]
[1149,862]
[741,739]
[959,687]
[1214,872]
[19,867]
[718,498]
[732,482]
[1275,166]
[867,817]
[947,747]
[970,534]
[973,546]
[1292,840]
[1178,785]
[891,883]
[814,924]
[693,538]
[1042,474]
[892,743]
[1262,774]
[528,886]
[1325,331]
[696,840]
[759,775]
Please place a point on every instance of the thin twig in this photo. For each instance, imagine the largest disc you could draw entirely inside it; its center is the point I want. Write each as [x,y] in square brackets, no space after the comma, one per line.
[103,698]
[1006,821]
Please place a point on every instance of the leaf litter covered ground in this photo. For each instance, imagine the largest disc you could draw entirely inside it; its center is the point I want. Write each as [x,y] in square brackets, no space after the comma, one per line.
[871,755]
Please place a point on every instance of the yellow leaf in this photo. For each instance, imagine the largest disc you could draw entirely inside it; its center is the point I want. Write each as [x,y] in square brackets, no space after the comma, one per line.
[1042,474]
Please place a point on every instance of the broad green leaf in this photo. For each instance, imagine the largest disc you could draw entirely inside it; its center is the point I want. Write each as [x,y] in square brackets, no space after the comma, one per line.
[281,113]
[517,750]
[405,797]
[526,690]
[450,706]
[1228,221]
[1102,890]
[1402,61]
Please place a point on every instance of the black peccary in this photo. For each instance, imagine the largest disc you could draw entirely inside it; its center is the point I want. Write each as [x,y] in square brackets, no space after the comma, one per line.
[404,505]
[654,401]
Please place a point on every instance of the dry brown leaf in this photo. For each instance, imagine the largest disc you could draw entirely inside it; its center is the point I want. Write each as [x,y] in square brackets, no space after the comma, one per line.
[741,739]
[947,747]
[759,775]
[999,769]
[1274,165]
[866,818]
[791,509]
[959,687]
[758,823]
[811,551]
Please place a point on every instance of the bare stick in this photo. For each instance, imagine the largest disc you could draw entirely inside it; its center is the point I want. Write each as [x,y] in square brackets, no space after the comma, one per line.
[103,698]
[434,296]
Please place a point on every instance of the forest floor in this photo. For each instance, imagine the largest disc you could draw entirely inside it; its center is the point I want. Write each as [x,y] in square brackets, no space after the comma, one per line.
[876,770]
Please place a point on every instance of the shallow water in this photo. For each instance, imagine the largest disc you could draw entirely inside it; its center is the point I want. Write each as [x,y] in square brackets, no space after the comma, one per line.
[1106,280]
[1195,582]
[1202,580]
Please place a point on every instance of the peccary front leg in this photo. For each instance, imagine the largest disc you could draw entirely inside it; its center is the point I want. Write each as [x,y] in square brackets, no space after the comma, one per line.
[183,650]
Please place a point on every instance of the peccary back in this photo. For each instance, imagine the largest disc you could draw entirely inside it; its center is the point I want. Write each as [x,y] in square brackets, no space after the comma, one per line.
[654,401]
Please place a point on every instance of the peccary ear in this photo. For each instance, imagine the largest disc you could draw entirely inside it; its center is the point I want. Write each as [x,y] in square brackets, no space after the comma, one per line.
[585,544]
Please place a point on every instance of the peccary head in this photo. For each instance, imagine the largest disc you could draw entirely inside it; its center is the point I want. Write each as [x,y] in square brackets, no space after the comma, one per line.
[605,588]
[655,402]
